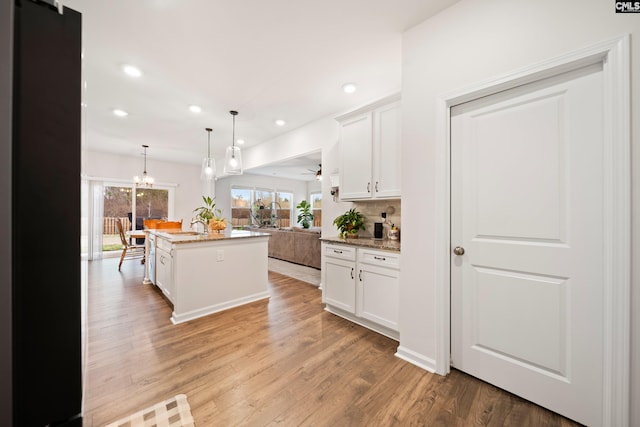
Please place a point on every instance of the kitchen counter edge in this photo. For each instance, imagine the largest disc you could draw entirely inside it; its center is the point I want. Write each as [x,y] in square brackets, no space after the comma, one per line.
[209,237]
[366,242]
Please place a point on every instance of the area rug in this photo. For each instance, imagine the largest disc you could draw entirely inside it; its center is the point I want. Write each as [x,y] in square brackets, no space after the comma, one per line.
[174,412]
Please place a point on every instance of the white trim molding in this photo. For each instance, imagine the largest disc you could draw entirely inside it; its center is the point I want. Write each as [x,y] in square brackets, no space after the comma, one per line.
[416,359]
[614,56]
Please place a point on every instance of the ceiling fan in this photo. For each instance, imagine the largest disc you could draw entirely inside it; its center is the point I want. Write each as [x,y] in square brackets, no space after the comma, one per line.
[317,173]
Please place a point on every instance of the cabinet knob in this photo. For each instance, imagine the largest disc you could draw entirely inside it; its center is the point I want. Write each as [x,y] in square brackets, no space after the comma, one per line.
[458,250]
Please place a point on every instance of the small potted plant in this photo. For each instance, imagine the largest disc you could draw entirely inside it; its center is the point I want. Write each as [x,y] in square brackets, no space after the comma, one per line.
[211,216]
[305,217]
[349,223]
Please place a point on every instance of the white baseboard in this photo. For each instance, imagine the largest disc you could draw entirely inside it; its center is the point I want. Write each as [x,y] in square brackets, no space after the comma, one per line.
[417,359]
[205,311]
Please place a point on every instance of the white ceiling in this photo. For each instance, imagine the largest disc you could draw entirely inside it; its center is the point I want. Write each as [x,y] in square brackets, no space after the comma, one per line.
[267,59]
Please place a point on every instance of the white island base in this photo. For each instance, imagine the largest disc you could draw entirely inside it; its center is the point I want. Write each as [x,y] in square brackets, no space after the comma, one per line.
[203,274]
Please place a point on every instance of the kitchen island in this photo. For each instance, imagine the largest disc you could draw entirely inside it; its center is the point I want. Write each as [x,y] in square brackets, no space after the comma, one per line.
[201,274]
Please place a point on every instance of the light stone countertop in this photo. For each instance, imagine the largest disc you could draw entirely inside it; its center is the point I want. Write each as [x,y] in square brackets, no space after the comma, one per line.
[366,242]
[192,236]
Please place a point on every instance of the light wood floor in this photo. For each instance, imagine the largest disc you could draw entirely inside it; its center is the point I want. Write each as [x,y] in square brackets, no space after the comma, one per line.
[282,362]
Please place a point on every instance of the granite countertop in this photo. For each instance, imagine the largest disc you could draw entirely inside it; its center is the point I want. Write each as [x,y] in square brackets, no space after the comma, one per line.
[192,236]
[366,242]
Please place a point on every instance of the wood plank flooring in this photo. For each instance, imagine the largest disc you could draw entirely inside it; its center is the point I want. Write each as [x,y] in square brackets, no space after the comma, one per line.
[282,362]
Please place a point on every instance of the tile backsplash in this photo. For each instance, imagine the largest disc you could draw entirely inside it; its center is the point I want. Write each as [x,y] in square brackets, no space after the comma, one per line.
[372,212]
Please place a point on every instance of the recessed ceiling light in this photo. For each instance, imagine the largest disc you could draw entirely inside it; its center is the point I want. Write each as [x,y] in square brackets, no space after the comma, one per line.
[280,122]
[240,141]
[349,87]
[131,70]
[195,109]
[120,113]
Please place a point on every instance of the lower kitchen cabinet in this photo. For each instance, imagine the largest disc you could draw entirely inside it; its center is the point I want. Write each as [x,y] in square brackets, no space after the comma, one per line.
[164,270]
[378,287]
[339,289]
[362,285]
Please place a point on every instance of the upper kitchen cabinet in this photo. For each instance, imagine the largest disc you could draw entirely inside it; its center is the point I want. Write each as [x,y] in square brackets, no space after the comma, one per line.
[370,151]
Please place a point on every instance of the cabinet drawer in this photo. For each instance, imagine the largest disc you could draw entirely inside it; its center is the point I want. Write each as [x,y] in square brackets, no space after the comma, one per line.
[342,252]
[386,259]
[164,244]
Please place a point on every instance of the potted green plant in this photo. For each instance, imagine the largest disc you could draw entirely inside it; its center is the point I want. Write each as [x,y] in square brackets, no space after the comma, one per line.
[209,215]
[349,223]
[305,217]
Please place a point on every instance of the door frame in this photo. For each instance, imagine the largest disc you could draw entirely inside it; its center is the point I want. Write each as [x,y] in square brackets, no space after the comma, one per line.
[614,54]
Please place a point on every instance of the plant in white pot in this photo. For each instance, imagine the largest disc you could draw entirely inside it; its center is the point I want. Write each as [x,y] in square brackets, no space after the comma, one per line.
[349,223]
[305,217]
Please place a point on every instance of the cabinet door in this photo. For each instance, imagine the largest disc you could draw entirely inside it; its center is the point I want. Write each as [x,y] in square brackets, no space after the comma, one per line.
[386,149]
[355,158]
[339,289]
[150,255]
[378,289]
[164,272]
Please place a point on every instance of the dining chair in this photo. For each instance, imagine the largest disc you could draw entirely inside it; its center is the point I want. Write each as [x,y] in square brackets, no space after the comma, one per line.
[151,224]
[128,249]
[172,225]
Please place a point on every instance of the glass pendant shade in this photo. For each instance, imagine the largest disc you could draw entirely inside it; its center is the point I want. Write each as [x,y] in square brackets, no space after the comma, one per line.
[233,161]
[208,171]
[233,157]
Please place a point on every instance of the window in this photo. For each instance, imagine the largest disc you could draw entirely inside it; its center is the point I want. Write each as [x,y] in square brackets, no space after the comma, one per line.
[260,207]
[241,207]
[284,204]
[316,208]
[119,203]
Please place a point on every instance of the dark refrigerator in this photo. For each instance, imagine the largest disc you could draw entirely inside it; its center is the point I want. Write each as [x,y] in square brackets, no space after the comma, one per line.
[45,211]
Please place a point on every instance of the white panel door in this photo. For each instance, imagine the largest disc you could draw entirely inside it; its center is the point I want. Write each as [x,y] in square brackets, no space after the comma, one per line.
[527,208]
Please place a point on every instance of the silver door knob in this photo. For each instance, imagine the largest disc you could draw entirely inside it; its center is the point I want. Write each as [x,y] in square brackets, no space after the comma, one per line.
[458,250]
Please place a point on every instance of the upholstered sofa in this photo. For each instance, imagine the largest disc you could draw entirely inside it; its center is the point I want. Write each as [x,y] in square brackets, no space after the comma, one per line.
[295,244]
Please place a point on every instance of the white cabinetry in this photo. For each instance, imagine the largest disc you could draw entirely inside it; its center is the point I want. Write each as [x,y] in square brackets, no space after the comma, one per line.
[340,277]
[150,261]
[363,285]
[378,287]
[370,151]
[164,268]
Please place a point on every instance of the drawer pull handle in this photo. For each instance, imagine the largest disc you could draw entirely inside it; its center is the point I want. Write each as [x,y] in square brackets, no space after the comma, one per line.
[377,187]
[360,275]
[352,272]
[368,187]
[380,258]
[335,251]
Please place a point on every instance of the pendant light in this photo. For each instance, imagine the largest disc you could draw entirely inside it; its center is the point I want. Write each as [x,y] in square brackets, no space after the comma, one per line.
[233,157]
[208,172]
[146,180]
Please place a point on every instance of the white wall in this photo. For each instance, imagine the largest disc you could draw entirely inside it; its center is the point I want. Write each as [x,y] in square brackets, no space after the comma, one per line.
[470,42]
[189,189]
